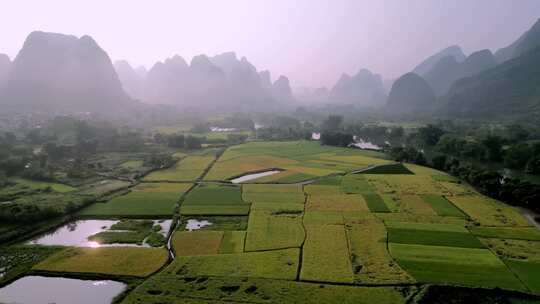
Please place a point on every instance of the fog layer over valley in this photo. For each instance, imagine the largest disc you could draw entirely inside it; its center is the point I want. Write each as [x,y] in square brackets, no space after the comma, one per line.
[57,73]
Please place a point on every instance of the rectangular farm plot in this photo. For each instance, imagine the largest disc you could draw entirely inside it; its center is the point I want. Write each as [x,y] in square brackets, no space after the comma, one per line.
[515,249]
[122,261]
[371,260]
[527,272]
[322,189]
[145,200]
[214,223]
[267,231]
[187,169]
[416,205]
[441,205]
[326,256]
[233,242]
[214,200]
[489,212]
[275,264]
[336,202]
[374,202]
[404,184]
[431,234]
[263,193]
[388,169]
[164,288]
[517,233]
[197,242]
[453,265]
[354,184]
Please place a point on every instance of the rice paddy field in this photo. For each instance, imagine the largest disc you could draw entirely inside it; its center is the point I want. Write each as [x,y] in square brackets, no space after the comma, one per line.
[336,225]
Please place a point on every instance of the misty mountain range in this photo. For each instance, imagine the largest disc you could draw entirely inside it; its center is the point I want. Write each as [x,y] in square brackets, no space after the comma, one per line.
[63,73]
[221,80]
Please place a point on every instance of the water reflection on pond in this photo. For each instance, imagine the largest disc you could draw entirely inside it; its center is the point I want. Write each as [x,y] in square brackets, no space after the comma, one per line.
[252,176]
[76,233]
[39,290]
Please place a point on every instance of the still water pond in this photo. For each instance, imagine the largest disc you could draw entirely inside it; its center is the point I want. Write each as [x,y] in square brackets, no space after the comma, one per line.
[76,233]
[248,177]
[39,290]
[196,224]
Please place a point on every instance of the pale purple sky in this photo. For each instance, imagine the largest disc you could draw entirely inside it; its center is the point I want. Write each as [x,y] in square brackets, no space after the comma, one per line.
[310,41]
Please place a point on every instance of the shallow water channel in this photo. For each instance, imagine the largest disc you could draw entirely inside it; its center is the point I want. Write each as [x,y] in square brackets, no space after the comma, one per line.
[252,176]
[76,233]
[39,290]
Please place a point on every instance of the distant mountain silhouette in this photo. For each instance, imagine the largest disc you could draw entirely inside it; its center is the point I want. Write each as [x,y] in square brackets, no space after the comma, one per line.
[219,81]
[132,80]
[61,73]
[364,89]
[281,89]
[509,90]
[410,94]
[529,41]
[429,63]
[5,64]
[448,70]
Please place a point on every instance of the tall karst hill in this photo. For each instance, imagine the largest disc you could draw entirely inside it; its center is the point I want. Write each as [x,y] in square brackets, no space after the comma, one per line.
[510,90]
[527,42]
[364,89]
[410,94]
[62,73]
[429,63]
[221,81]
[448,70]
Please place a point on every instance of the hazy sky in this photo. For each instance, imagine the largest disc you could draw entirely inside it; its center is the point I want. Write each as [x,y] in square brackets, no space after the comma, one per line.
[310,41]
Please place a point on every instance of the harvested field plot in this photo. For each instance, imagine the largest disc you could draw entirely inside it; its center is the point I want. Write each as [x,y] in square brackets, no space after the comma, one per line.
[276,264]
[452,265]
[326,256]
[372,264]
[197,242]
[515,249]
[340,202]
[416,205]
[404,184]
[442,206]
[122,261]
[488,212]
[159,289]
[187,169]
[375,203]
[266,231]
[145,200]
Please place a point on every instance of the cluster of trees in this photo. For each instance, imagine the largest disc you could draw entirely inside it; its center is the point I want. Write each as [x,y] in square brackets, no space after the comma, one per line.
[285,128]
[511,147]
[462,155]
[179,141]
[513,191]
